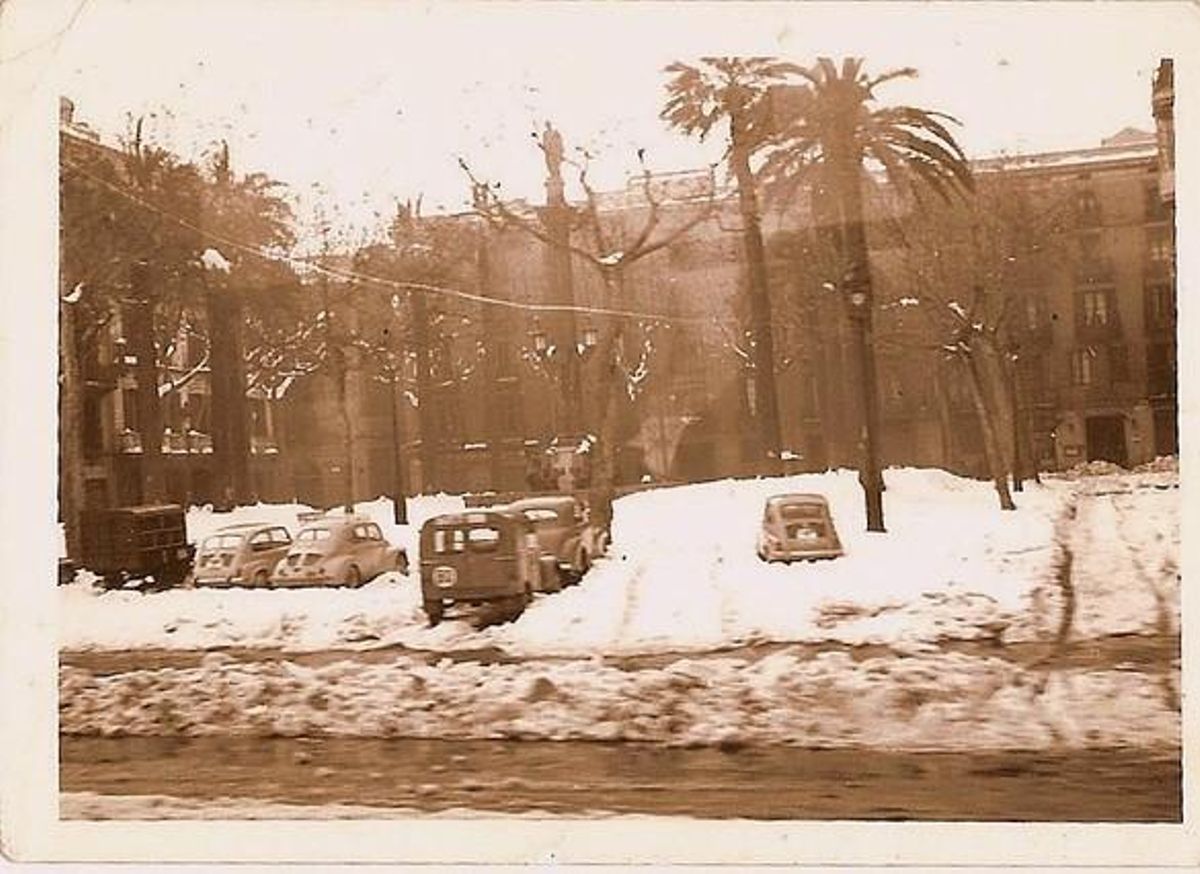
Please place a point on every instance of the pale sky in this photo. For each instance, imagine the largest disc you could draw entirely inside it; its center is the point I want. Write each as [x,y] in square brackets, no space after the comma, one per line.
[372,101]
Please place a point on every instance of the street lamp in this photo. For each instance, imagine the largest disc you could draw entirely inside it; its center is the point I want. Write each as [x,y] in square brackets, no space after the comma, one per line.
[560,362]
[857,289]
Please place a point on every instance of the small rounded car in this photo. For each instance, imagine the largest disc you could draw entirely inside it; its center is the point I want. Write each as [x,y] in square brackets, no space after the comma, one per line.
[565,531]
[240,555]
[340,551]
[798,527]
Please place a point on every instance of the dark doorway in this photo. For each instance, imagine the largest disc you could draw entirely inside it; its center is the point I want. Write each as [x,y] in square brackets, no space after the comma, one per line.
[1166,432]
[1106,439]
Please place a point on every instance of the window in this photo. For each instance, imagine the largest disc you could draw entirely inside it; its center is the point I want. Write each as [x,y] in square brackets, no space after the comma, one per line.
[1096,308]
[280,536]
[1034,313]
[129,408]
[222,541]
[483,539]
[1087,205]
[1091,249]
[1160,304]
[1155,210]
[313,535]
[1118,364]
[1158,246]
[1083,366]
[1160,369]
[504,360]
[448,540]
[93,425]
[261,541]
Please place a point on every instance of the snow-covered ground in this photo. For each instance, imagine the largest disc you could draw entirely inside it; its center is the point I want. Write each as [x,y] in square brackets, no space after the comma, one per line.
[948,701]
[1125,550]
[681,576]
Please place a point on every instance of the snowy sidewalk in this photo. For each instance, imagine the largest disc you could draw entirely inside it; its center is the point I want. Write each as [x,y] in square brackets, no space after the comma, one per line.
[682,576]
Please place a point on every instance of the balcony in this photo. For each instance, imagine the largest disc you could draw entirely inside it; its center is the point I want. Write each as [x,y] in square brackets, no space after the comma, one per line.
[129,442]
[1105,332]
[263,445]
[191,442]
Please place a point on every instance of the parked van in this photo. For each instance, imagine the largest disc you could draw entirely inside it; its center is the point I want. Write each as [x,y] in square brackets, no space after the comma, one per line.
[482,556]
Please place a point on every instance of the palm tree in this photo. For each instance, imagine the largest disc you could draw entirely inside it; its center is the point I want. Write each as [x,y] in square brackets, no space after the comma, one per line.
[830,135]
[736,91]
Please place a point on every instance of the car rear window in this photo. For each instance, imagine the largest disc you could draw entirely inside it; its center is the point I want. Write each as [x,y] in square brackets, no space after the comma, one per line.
[541,514]
[802,511]
[223,541]
[313,535]
[476,538]
[808,529]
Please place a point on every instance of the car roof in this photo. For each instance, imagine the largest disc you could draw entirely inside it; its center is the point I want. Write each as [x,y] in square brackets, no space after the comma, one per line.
[246,526]
[797,498]
[550,502]
[482,516]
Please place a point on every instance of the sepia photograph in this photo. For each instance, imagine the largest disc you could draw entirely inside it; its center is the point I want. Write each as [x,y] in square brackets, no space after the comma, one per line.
[665,418]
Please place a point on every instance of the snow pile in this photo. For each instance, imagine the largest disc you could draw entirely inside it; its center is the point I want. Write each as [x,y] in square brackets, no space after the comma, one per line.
[1161,464]
[289,619]
[939,702]
[682,576]
[685,576]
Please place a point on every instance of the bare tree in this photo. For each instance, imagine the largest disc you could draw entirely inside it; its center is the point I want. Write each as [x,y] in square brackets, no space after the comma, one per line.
[606,249]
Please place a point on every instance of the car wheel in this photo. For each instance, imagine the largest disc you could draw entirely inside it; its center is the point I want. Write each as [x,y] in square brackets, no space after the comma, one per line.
[354,577]
[433,612]
[261,579]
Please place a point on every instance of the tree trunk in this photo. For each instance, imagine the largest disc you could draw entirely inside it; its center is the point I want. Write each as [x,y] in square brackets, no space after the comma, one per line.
[425,424]
[341,377]
[604,466]
[945,419]
[861,300]
[766,394]
[399,478]
[140,318]
[991,446]
[1018,466]
[231,437]
[70,434]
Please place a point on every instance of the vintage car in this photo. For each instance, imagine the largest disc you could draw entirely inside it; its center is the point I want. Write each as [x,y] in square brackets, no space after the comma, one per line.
[798,528]
[338,550]
[485,556]
[243,554]
[142,545]
[564,529]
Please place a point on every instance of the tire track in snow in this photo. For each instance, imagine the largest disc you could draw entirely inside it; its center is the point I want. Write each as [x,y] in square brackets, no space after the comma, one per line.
[1165,622]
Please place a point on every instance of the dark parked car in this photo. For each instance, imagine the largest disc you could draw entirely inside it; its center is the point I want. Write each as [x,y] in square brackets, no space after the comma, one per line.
[564,530]
[797,528]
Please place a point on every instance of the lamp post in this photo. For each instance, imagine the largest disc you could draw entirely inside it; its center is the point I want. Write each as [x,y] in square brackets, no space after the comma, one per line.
[563,364]
[858,302]
[399,478]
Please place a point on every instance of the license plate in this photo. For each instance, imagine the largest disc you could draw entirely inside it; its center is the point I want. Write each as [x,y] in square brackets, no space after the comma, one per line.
[444,577]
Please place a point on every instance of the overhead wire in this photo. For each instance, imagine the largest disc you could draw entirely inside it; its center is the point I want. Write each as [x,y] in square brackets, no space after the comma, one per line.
[353,276]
